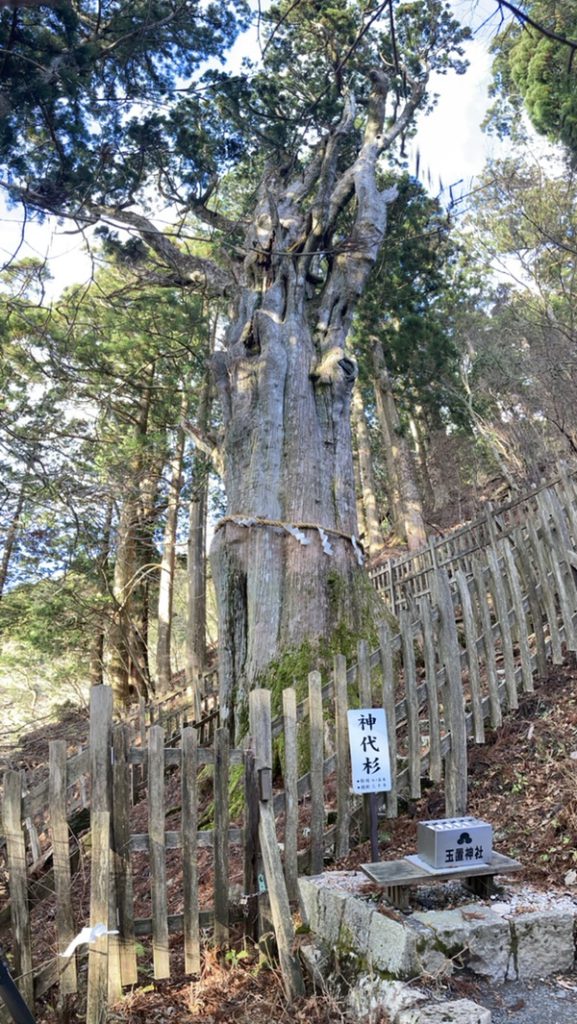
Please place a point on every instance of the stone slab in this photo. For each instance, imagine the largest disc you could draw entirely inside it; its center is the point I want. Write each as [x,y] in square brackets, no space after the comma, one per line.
[472,934]
[460,1011]
[543,943]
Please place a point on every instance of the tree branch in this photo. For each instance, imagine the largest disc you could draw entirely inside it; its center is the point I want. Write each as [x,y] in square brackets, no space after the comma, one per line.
[207,444]
[526,19]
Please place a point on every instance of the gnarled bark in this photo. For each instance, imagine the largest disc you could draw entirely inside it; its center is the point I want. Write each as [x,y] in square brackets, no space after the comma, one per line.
[285,384]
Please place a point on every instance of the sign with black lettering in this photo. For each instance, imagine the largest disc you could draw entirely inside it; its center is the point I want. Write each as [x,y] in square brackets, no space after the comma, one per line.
[369,745]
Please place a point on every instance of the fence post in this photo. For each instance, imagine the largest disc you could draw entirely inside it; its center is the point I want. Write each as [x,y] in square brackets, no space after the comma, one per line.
[520,618]
[251,849]
[61,860]
[501,606]
[19,910]
[435,758]
[121,788]
[386,649]
[411,703]
[489,646]
[316,726]
[456,761]
[156,826]
[189,826]
[221,828]
[260,727]
[343,756]
[101,800]
[289,707]
[472,656]
[97,997]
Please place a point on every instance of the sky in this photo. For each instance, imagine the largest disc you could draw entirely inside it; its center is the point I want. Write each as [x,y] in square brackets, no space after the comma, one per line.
[452,150]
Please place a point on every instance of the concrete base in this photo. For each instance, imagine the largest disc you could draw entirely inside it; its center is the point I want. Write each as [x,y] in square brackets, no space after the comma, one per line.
[499,941]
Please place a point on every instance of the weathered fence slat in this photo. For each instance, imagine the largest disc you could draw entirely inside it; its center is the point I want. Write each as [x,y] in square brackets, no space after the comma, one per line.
[189,828]
[456,758]
[522,628]
[501,608]
[221,827]
[317,797]
[412,704]
[97,996]
[523,561]
[343,756]
[157,853]
[251,846]
[563,544]
[547,591]
[122,793]
[16,857]
[388,680]
[472,656]
[290,778]
[435,758]
[489,646]
[554,557]
[64,919]
[261,732]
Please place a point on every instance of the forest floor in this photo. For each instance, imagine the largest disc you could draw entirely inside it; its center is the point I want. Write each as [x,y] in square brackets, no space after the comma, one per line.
[523,780]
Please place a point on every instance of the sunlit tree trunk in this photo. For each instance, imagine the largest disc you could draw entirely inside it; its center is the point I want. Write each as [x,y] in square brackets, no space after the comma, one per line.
[410,505]
[97,651]
[374,537]
[126,656]
[418,433]
[167,569]
[12,532]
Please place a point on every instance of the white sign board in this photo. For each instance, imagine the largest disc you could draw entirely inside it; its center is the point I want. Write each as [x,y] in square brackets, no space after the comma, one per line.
[370,761]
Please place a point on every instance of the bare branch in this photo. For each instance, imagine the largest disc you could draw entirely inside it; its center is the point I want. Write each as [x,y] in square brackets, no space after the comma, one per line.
[207,444]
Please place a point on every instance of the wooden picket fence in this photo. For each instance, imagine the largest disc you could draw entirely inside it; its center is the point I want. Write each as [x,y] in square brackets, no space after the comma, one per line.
[409,576]
[475,628]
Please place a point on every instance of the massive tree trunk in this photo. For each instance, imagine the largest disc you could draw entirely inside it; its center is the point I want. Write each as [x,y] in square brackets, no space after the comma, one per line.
[284,559]
[410,504]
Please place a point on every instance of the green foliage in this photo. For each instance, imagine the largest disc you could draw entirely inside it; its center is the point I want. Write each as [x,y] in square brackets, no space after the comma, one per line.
[407,305]
[539,73]
[98,98]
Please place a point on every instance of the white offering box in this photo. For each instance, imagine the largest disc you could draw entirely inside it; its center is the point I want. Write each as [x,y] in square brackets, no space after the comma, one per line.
[455,842]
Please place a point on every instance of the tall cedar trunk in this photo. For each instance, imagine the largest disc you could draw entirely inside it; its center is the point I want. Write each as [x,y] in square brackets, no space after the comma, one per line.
[374,537]
[196,553]
[167,568]
[393,490]
[196,570]
[285,385]
[421,446]
[411,509]
[13,530]
[126,655]
[96,659]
